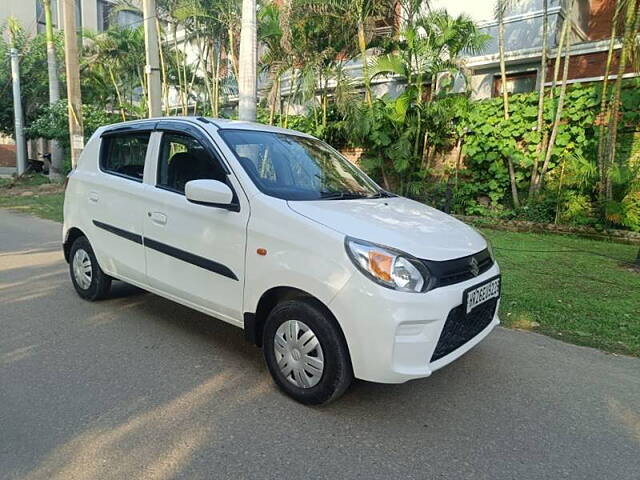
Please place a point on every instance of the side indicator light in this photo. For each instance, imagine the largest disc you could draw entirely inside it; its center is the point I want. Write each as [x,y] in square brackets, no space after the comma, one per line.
[261,251]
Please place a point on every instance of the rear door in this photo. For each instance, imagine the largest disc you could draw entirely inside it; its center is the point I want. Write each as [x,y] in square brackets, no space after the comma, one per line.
[195,252]
[117,202]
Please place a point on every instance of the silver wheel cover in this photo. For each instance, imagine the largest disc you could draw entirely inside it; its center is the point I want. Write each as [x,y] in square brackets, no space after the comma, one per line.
[82,269]
[298,354]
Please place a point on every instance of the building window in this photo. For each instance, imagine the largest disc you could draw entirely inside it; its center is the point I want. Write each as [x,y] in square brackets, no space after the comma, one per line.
[104,14]
[129,18]
[41,22]
[521,82]
[78,15]
[123,17]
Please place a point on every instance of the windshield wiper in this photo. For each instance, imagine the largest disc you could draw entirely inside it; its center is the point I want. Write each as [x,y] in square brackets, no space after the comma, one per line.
[381,194]
[341,195]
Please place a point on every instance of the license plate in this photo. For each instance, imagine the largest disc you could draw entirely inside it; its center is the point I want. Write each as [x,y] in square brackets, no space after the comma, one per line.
[479,294]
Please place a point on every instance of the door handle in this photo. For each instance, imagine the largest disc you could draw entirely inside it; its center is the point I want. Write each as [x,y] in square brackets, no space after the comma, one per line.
[158,218]
[93,197]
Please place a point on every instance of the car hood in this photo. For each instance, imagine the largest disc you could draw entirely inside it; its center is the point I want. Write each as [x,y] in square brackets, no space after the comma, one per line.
[396,222]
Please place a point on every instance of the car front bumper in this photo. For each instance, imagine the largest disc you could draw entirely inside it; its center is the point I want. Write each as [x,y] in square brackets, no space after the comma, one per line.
[392,335]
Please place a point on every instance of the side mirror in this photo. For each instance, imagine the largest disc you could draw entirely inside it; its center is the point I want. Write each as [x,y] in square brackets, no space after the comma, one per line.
[210,192]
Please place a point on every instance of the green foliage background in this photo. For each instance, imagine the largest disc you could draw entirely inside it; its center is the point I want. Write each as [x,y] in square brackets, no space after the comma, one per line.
[491,138]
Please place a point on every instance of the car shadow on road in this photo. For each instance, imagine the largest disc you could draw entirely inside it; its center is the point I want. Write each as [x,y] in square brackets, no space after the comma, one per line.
[137,386]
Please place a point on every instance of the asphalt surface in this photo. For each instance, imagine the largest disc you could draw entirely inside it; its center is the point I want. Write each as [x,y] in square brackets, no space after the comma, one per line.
[139,387]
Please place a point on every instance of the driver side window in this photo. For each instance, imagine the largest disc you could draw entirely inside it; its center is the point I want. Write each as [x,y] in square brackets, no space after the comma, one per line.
[182,159]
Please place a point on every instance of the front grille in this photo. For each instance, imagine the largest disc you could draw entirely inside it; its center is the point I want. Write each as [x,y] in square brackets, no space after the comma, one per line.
[449,272]
[460,328]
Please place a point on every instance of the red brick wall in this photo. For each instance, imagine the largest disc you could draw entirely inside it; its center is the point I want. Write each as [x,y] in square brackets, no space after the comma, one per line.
[7,155]
[601,17]
[588,65]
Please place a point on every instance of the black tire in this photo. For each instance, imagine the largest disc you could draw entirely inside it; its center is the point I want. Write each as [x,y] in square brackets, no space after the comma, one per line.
[100,283]
[337,373]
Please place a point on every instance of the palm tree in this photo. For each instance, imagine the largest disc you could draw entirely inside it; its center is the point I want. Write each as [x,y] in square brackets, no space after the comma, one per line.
[542,78]
[430,46]
[500,9]
[566,39]
[247,80]
[631,25]
[362,14]
[604,112]
[116,56]
[276,60]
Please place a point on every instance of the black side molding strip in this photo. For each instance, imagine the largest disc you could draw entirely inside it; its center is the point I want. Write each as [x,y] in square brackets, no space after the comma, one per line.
[174,252]
[134,237]
[191,258]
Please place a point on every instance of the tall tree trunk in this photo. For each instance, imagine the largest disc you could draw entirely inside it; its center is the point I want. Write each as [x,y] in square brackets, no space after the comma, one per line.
[163,69]
[325,106]
[233,58]
[181,83]
[362,45]
[57,161]
[284,20]
[505,104]
[604,112]
[563,90]
[503,71]
[216,82]
[631,24]
[556,67]
[247,81]
[535,188]
[274,97]
[209,76]
[543,79]
[118,94]
[185,100]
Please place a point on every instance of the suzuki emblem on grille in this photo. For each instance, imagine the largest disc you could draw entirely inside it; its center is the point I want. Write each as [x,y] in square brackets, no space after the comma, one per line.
[474,268]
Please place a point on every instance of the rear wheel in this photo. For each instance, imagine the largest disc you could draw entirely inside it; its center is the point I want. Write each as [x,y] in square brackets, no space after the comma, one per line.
[89,280]
[306,353]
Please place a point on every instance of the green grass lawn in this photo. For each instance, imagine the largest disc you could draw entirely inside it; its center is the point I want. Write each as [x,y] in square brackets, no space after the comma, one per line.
[45,205]
[582,291]
[32,195]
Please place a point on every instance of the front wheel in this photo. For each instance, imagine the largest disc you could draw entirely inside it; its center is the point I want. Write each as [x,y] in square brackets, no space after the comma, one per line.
[89,280]
[306,353]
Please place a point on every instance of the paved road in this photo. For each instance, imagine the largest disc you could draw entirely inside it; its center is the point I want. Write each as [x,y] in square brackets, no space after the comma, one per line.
[139,387]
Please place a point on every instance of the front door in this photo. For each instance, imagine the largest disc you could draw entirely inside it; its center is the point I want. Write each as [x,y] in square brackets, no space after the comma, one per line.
[195,252]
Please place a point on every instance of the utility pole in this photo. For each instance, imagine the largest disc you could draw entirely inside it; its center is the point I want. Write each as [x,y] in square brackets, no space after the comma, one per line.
[73,80]
[248,58]
[21,146]
[55,169]
[152,68]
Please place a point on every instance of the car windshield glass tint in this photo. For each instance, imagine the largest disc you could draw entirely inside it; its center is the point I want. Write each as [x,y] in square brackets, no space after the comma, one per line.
[297,168]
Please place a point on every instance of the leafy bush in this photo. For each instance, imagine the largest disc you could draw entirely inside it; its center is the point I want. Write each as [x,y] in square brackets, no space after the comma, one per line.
[52,122]
[481,184]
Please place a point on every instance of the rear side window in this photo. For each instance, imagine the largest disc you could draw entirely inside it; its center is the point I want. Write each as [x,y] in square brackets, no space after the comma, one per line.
[124,155]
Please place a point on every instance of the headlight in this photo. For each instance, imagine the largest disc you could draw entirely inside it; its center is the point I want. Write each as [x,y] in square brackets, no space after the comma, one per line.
[388,267]
[489,246]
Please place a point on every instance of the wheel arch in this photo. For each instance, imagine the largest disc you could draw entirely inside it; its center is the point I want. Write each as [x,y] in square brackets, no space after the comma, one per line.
[72,235]
[254,322]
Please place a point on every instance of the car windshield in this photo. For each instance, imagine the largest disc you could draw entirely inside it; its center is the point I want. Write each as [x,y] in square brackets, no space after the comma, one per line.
[292,167]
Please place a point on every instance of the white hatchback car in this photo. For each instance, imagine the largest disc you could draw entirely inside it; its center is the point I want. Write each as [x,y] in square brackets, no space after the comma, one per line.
[275,232]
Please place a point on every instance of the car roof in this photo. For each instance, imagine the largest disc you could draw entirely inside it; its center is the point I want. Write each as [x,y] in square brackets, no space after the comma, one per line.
[219,123]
